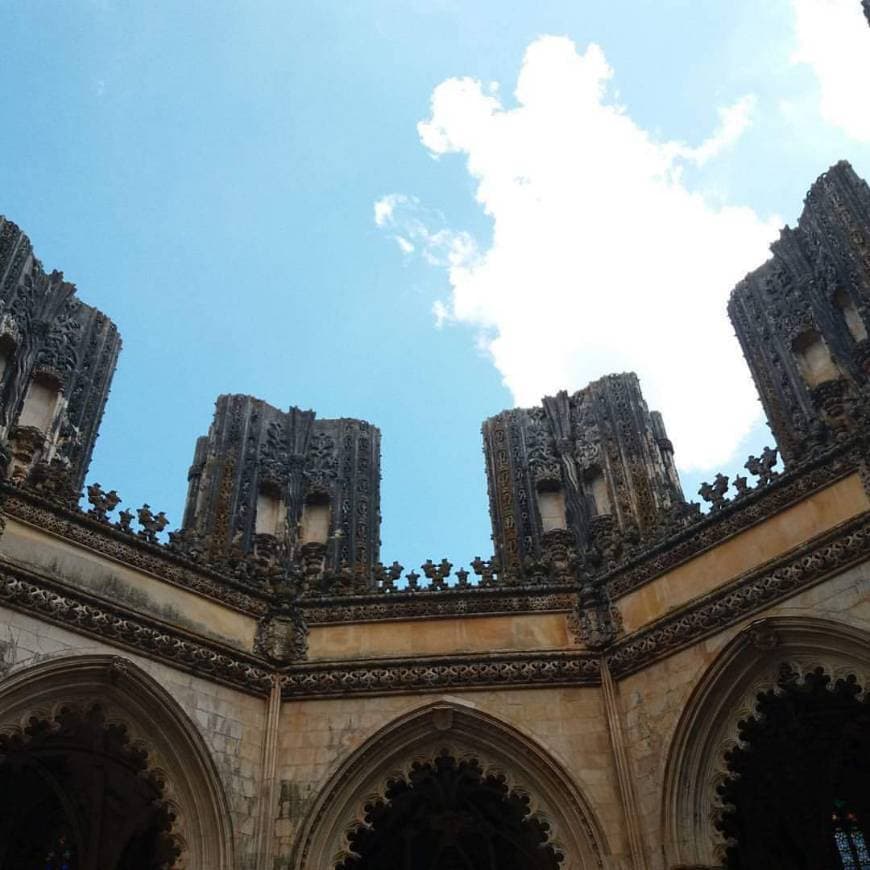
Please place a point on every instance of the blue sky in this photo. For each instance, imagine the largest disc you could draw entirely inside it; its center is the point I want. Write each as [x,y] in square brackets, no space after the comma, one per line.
[208,174]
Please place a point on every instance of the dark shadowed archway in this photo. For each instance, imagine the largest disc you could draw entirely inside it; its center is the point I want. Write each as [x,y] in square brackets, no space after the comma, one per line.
[454,785]
[450,815]
[101,768]
[798,795]
[765,707]
[75,795]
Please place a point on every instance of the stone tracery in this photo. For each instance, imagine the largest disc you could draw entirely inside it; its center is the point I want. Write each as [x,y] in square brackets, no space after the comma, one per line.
[75,716]
[470,738]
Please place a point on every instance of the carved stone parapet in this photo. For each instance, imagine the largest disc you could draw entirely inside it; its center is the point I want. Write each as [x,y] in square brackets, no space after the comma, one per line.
[171,563]
[661,555]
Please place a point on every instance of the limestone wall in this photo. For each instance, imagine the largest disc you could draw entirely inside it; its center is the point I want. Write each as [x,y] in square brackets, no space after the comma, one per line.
[654,699]
[230,722]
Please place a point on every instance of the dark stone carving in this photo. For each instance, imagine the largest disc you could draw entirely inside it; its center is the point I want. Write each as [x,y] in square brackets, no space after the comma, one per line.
[437,574]
[49,337]
[866,6]
[102,503]
[802,318]
[151,524]
[255,451]
[597,621]
[599,450]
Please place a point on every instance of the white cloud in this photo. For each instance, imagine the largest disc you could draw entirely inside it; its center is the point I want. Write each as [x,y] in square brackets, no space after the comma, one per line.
[833,38]
[417,228]
[733,120]
[602,258]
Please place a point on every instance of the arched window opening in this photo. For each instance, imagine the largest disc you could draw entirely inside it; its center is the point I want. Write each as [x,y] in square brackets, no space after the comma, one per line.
[849,838]
[449,815]
[40,404]
[74,795]
[551,506]
[271,513]
[797,793]
[851,315]
[316,517]
[814,359]
[597,487]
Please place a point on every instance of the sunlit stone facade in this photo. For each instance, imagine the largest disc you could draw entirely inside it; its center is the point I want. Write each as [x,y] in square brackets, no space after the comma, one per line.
[618,685]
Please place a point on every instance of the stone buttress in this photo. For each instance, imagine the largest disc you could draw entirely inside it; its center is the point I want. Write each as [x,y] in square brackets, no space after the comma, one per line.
[57,359]
[263,475]
[582,466]
[802,318]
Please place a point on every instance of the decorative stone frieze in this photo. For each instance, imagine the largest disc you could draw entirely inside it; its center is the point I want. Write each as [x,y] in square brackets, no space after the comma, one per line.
[83,614]
[818,559]
[802,318]
[443,673]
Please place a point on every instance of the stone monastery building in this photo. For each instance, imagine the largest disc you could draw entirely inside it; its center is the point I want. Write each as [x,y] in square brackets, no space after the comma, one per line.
[628,681]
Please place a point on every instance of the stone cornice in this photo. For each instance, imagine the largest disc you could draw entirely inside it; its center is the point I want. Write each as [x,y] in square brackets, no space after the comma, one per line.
[442,673]
[102,538]
[445,603]
[736,516]
[836,551]
[50,599]
[815,561]
[639,568]
[82,613]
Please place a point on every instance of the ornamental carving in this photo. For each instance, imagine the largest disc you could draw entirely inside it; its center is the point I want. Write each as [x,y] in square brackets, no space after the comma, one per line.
[801,317]
[53,338]
[600,449]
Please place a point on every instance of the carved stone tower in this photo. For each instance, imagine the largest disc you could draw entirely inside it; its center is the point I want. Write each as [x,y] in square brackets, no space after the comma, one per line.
[802,318]
[263,476]
[579,467]
[57,358]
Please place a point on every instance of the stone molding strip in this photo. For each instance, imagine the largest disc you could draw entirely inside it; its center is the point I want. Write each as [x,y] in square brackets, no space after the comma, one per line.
[657,559]
[737,516]
[81,613]
[442,673]
[443,603]
[130,550]
[843,547]
[839,549]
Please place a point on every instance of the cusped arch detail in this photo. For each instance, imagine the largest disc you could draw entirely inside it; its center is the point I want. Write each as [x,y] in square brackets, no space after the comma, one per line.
[465,733]
[726,694]
[153,722]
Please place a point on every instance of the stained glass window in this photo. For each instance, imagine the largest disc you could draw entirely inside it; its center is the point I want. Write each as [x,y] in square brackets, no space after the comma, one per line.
[60,855]
[849,839]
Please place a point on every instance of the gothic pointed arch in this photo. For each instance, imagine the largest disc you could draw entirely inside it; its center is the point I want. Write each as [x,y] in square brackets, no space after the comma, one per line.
[136,722]
[467,742]
[727,695]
